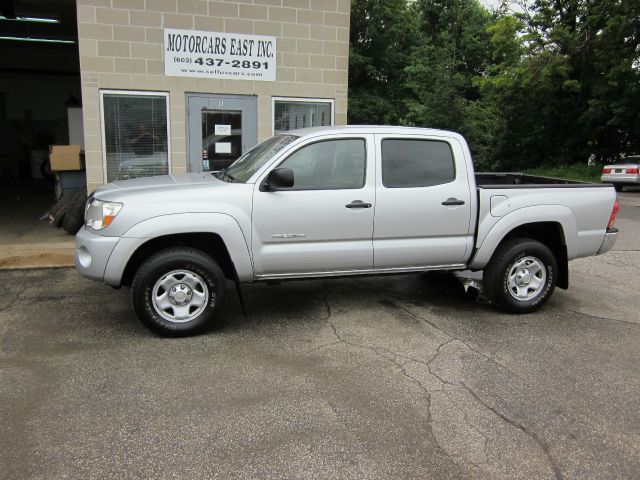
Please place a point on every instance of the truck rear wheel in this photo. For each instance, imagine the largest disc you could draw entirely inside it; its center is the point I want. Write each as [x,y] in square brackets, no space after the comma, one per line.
[521,275]
[178,292]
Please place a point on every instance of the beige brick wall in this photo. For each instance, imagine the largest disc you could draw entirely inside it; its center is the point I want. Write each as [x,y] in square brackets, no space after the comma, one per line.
[121,41]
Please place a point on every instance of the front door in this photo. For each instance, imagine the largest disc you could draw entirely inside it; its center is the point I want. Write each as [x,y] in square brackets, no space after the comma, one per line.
[324,223]
[220,129]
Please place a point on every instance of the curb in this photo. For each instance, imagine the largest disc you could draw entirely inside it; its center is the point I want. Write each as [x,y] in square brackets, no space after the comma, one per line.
[37,255]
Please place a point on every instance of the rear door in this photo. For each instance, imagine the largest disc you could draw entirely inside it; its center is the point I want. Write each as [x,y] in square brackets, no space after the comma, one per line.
[423,202]
[324,223]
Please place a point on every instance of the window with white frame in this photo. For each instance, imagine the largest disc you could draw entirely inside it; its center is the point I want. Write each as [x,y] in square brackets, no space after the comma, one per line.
[294,113]
[135,134]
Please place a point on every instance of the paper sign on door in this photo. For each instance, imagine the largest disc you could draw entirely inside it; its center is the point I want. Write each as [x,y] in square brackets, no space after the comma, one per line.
[223,147]
[223,130]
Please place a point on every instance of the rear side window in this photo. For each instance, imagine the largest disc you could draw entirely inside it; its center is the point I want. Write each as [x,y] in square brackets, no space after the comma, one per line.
[416,163]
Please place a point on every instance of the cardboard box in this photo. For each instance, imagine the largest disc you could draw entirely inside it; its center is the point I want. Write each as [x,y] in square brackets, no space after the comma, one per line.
[65,157]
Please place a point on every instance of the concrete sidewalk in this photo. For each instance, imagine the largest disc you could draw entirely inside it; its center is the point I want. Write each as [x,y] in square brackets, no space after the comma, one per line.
[37,255]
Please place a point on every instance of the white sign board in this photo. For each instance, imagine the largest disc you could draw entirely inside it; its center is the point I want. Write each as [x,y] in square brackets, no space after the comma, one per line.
[193,53]
[222,130]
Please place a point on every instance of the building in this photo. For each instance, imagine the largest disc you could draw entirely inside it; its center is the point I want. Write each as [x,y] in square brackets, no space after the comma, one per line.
[175,86]
[162,86]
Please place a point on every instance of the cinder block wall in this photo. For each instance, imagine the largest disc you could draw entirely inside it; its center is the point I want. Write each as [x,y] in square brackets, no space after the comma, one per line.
[121,47]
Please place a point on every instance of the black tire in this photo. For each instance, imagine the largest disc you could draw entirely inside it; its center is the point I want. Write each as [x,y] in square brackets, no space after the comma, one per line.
[56,215]
[503,281]
[74,214]
[202,268]
[618,187]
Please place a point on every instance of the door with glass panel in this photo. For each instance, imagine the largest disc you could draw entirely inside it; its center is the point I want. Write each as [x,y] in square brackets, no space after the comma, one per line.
[220,129]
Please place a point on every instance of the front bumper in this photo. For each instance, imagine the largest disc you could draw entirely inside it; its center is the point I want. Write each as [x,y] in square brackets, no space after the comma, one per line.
[609,240]
[92,253]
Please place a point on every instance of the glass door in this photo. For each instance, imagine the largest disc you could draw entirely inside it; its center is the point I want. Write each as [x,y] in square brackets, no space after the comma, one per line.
[220,129]
[221,138]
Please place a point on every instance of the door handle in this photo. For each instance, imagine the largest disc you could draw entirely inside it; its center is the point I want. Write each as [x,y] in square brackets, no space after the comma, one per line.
[453,201]
[358,204]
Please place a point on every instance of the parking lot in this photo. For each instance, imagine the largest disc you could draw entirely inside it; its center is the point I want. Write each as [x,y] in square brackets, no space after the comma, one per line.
[378,377]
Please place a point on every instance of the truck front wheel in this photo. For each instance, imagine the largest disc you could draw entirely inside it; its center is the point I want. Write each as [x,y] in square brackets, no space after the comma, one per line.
[521,275]
[178,291]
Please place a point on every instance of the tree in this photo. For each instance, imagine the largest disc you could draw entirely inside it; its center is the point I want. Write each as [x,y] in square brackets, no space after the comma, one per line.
[563,76]
[383,32]
[548,82]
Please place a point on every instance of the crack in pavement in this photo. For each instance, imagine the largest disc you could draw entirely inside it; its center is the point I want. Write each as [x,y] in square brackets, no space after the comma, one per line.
[539,441]
[448,334]
[38,298]
[603,318]
[402,368]
[543,445]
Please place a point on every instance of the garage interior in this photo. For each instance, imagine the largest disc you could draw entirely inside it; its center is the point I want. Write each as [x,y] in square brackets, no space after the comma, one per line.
[39,97]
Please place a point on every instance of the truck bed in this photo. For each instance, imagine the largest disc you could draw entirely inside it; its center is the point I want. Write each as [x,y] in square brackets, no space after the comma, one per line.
[582,209]
[516,179]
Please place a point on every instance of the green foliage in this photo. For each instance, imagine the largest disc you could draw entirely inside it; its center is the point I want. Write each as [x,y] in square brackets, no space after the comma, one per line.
[555,84]
[383,33]
[582,173]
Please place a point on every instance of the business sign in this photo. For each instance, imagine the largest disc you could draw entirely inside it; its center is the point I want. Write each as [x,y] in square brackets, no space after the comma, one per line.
[192,53]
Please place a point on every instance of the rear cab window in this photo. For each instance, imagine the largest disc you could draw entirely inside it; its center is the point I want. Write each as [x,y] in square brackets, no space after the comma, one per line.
[412,163]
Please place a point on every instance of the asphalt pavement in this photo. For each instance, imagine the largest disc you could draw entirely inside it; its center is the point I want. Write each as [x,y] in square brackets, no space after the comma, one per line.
[378,377]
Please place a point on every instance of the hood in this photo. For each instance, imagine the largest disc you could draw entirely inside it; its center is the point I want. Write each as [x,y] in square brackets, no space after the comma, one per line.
[152,185]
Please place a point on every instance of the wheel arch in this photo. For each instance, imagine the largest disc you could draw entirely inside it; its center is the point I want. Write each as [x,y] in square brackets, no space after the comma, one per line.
[550,234]
[552,225]
[218,235]
[207,242]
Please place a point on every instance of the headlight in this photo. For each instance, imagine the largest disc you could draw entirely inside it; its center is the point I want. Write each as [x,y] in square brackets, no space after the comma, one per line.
[100,214]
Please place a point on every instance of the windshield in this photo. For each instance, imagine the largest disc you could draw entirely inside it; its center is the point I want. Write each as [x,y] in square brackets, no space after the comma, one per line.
[249,163]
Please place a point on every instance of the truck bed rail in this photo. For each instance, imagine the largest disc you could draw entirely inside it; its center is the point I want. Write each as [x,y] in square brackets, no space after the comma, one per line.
[521,180]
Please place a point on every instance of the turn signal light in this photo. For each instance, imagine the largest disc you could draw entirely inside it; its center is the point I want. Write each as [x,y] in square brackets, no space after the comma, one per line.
[606,170]
[632,170]
[614,212]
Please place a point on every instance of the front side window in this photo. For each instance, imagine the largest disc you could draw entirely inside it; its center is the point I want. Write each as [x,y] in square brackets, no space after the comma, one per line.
[294,114]
[328,165]
[410,163]
[135,135]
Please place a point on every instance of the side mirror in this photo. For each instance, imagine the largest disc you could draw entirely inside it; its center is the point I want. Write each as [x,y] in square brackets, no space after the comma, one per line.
[277,179]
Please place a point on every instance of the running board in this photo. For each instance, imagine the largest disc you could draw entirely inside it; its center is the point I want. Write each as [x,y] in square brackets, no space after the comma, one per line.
[348,273]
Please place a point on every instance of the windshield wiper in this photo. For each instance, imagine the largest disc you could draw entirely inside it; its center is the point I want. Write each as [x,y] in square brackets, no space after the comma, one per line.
[224,176]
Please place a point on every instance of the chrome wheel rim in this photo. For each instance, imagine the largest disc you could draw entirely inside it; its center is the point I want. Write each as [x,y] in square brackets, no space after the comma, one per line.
[526,278]
[180,296]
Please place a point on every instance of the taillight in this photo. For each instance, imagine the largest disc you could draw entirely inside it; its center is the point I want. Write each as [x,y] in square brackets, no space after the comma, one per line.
[632,170]
[614,212]
[606,170]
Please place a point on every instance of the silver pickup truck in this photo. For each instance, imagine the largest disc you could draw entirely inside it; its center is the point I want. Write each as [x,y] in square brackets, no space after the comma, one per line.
[338,201]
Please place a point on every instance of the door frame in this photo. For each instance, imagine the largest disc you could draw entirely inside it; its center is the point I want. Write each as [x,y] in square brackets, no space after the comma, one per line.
[253,99]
